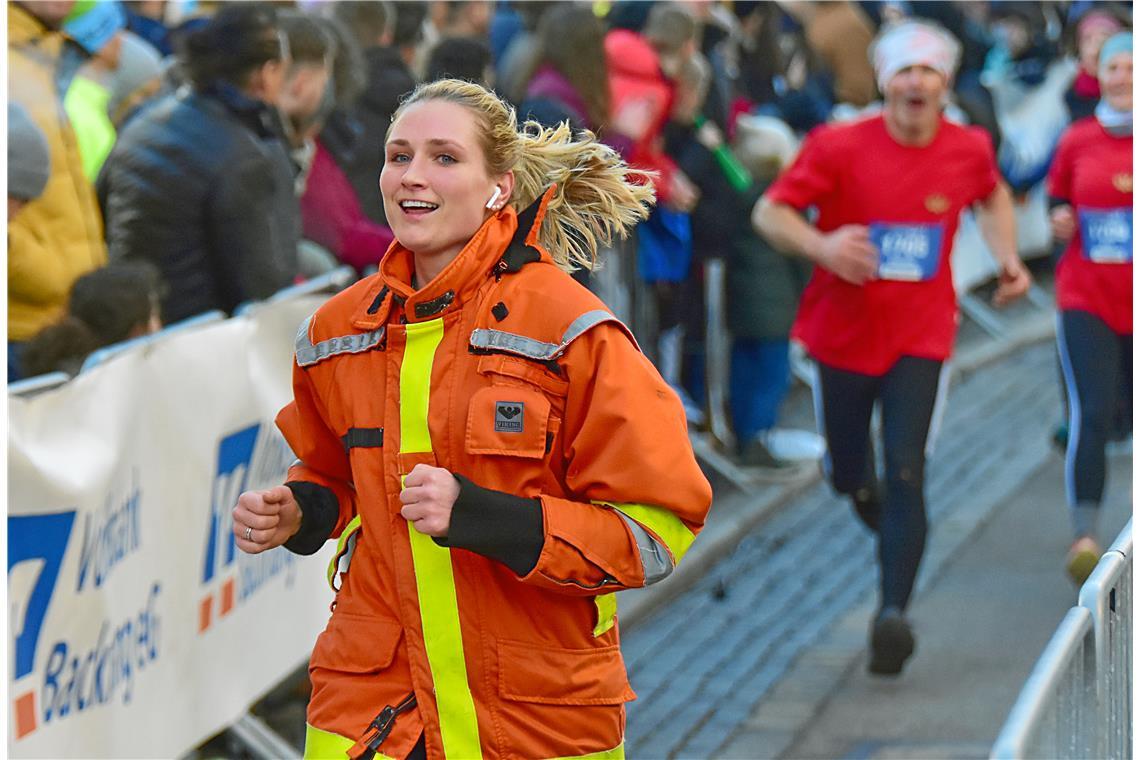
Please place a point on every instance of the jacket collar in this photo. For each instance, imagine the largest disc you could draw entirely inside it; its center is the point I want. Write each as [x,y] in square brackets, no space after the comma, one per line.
[506,242]
[258,115]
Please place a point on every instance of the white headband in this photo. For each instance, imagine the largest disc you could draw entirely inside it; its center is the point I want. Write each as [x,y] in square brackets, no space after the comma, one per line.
[914,43]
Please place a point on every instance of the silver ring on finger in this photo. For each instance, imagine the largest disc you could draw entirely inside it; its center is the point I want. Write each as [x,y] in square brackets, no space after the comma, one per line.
[249,533]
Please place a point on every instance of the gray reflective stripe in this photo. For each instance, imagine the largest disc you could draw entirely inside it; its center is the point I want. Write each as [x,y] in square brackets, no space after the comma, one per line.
[485,338]
[655,559]
[584,323]
[308,354]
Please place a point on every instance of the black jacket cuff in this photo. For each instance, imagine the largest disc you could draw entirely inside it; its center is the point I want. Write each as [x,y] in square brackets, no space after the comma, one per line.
[1054,202]
[498,525]
[319,513]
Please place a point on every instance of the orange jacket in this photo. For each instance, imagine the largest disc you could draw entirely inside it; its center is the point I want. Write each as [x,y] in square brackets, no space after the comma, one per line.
[506,371]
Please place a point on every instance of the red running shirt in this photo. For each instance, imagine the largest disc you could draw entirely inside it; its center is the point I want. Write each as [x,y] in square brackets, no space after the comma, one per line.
[856,173]
[1093,172]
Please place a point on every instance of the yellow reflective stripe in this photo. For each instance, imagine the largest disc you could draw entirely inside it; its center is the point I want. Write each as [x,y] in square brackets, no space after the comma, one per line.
[415,385]
[443,641]
[325,745]
[342,542]
[607,612]
[617,753]
[435,579]
[661,521]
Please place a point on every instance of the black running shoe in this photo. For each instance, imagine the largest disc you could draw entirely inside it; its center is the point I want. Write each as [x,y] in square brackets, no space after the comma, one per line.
[892,642]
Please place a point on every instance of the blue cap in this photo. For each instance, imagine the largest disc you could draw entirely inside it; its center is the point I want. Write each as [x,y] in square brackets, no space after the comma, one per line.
[1121,42]
[95,24]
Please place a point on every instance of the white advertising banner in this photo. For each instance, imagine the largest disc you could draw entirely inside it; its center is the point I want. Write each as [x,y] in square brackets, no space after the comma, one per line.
[136,628]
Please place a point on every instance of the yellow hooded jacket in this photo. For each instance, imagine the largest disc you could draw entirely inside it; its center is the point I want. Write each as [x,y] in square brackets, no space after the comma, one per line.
[59,236]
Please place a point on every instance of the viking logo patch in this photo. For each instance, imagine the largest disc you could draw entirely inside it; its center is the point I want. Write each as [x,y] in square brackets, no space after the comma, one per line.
[508,416]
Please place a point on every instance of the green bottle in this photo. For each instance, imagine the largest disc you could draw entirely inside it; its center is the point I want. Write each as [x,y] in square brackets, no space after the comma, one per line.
[734,171]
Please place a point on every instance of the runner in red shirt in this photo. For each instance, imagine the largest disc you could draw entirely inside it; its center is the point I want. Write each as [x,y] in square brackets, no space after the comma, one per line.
[1090,186]
[879,314]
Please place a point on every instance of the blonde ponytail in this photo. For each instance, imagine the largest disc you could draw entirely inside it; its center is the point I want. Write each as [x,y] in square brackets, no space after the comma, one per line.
[597,195]
[594,199]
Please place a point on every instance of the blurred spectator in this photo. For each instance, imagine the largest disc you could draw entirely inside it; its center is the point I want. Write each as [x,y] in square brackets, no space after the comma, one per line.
[330,212]
[778,73]
[306,100]
[466,58]
[107,305]
[338,129]
[136,81]
[95,27]
[146,19]
[697,145]
[839,33]
[718,36]
[631,15]
[305,95]
[1093,28]
[762,291]
[1027,89]
[461,18]
[387,34]
[512,67]
[1020,50]
[29,160]
[641,71]
[760,60]
[407,27]
[200,182]
[506,24]
[565,79]
[451,18]
[56,237]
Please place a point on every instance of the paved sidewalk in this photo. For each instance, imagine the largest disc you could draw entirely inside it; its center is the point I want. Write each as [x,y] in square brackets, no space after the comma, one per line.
[981,625]
[757,647]
[758,622]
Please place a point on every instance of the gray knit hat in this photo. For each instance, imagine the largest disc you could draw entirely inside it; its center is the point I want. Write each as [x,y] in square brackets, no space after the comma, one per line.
[29,161]
[139,63]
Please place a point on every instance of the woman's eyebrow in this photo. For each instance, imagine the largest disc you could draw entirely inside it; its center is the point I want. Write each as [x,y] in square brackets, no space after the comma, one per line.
[434,142]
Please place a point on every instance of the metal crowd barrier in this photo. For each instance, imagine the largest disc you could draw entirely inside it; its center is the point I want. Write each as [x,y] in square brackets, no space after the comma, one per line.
[1077,701]
[332,282]
[1107,595]
[33,385]
[95,358]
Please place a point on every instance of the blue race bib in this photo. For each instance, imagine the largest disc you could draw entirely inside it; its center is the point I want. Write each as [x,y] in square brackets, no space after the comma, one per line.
[1106,235]
[907,252]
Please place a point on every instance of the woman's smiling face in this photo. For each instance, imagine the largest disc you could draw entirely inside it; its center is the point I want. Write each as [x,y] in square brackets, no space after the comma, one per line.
[435,182]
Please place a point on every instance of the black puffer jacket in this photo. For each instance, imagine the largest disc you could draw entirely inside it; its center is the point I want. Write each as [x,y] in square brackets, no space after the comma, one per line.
[200,185]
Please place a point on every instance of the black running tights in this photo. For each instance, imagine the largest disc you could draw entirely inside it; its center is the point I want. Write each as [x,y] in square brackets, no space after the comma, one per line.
[907,395]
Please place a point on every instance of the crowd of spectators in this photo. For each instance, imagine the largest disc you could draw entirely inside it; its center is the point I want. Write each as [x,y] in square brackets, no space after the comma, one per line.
[221,151]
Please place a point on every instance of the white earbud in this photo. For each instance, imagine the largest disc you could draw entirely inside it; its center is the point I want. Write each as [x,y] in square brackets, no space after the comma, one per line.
[494,197]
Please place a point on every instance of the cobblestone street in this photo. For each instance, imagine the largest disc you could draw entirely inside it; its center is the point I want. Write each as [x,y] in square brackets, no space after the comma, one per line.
[702,663]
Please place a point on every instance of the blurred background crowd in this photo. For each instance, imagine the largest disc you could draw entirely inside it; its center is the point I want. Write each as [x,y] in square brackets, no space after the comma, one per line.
[171,158]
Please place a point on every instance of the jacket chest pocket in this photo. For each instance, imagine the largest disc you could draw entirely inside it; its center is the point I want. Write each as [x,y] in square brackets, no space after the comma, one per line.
[513,416]
[508,420]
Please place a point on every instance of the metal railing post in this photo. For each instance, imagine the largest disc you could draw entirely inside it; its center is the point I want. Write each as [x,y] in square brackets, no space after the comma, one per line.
[717,354]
